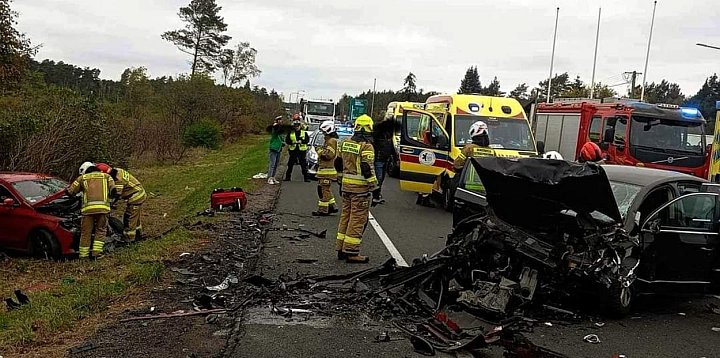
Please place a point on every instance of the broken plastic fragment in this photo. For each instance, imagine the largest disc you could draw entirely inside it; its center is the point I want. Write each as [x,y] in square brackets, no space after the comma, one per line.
[592,338]
[230,279]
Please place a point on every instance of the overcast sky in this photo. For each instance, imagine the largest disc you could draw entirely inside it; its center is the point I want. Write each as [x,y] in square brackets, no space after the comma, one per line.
[328,48]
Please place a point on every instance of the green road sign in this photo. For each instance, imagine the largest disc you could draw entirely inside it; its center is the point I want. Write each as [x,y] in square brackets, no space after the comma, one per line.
[357,107]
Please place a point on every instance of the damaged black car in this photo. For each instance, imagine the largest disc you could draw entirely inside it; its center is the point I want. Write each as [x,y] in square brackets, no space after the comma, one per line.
[535,230]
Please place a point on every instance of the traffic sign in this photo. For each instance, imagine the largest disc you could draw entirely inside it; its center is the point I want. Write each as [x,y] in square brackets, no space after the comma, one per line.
[357,108]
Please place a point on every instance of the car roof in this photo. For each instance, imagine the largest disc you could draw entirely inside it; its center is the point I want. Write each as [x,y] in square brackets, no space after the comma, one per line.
[645,176]
[13,177]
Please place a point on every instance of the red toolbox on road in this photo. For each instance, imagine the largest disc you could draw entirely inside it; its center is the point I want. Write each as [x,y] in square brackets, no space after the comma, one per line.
[233,198]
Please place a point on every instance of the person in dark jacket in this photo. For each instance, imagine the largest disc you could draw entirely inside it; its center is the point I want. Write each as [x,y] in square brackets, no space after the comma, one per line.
[384,152]
[297,140]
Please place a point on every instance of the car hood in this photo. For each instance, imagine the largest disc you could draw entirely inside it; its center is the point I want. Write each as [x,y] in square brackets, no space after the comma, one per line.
[521,189]
[48,199]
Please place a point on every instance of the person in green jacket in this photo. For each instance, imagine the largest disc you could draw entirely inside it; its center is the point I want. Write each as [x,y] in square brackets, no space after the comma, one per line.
[276,144]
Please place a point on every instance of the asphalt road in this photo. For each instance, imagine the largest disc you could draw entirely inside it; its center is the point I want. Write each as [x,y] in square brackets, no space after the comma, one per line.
[660,327]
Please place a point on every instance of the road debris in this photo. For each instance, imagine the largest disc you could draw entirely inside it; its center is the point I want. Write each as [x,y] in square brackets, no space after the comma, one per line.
[592,338]
[174,314]
[715,329]
[230,279]
[306,260]
[85,347]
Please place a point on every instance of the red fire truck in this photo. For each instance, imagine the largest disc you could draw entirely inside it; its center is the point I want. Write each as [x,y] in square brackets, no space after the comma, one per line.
[629,132]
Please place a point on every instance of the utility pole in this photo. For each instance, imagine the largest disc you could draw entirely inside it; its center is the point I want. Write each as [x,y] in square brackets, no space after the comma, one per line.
[647,56]
[372,105]
[597,39]
[633,75]
[552,56]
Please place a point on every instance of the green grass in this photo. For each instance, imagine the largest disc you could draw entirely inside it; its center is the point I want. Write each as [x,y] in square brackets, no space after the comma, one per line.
[81,289]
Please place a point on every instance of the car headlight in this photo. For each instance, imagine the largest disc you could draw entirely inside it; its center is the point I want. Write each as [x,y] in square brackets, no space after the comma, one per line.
[312,155]
[69,225]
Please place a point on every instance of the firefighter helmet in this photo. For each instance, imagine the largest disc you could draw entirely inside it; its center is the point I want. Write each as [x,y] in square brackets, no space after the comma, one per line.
[85,166]
[103,167]
[364,123]
[590,152]
[553,155]
[327,127]
[478,128]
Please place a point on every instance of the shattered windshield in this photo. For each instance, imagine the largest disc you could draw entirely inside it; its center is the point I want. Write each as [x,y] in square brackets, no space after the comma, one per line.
[667,136]
[39,189]
[321,109]
[624,195]
[505,133]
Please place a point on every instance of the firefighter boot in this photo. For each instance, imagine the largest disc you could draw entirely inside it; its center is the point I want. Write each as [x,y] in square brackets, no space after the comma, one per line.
[357,259]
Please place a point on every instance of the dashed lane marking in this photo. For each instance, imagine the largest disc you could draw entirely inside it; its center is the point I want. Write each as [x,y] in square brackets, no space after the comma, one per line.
[386,240]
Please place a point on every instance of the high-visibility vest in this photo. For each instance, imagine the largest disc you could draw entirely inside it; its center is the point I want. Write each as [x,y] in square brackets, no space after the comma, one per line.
[293,138]
[95,188]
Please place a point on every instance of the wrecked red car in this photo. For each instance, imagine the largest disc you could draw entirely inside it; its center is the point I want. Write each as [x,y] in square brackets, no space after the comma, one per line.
[36,217]
[611,232]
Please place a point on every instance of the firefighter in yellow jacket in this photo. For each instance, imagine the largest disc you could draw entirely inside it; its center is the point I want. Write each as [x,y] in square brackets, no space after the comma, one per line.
[480,147]
[326,173]
[97,189]
[358,186]
[132,191]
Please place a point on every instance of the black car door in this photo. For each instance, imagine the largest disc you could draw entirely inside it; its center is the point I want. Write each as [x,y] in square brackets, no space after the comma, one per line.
[680,241]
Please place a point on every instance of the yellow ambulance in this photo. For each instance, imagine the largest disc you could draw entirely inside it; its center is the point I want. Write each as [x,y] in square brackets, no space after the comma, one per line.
[394,113]
[431,138]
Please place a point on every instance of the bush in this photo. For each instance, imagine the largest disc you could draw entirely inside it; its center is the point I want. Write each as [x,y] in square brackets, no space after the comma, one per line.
[204,133]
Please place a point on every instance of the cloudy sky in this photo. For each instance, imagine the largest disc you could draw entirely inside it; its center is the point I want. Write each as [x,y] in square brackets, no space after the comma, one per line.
[327,47]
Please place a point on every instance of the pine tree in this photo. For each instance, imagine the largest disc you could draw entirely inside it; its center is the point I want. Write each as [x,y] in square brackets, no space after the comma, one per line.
[202,36]
[15,49]
[493,89]
[471,82]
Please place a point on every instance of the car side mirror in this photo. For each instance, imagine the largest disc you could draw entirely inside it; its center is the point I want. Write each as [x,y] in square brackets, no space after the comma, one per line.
[9,202]
[540,147]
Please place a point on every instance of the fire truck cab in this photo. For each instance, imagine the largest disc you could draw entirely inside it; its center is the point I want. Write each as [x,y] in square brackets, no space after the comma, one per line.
[629,132]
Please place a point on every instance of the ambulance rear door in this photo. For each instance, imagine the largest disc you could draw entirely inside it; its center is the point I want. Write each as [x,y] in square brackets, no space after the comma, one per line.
[424,151]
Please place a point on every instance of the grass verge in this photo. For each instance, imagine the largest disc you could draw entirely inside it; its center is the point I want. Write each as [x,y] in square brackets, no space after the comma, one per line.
[73,290]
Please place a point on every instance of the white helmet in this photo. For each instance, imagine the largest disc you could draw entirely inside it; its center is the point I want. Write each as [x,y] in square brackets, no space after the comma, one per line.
[85,166]
[327,127]
[552,155]
[478,128]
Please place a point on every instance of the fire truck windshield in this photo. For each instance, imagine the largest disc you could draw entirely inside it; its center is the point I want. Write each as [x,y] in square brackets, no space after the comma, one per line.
[320,109]
[504,133]
[667,136]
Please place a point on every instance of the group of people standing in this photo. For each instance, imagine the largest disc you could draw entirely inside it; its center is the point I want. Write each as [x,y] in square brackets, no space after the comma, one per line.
[101,187]
[352,164]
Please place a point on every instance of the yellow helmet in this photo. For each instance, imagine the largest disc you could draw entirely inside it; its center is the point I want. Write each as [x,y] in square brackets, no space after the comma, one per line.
[364,123]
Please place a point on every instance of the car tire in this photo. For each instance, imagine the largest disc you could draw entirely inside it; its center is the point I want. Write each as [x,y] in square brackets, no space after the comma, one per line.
[620,300]
[115,226]
[43,245]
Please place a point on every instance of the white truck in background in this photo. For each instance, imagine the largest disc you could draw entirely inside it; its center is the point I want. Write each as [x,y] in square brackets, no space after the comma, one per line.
[318,110]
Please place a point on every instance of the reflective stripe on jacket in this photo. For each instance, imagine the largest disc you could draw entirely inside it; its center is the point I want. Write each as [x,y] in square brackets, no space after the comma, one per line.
[353,155]
[294,139]
[95,188]
[326,159]
[129,188]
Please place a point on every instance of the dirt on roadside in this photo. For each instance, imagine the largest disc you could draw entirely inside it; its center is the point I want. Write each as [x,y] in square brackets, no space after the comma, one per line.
[234,243]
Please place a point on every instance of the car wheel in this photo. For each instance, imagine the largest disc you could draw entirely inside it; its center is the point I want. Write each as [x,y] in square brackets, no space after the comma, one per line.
[115,227]
[43,245]
[620,299]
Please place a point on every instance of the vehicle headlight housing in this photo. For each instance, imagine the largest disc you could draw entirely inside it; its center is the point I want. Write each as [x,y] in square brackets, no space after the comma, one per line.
[69,225]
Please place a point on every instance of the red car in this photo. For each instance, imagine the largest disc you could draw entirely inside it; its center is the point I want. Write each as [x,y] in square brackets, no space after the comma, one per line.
[36,216]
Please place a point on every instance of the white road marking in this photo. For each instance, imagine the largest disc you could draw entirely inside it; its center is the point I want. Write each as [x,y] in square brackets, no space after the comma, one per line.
[386,240]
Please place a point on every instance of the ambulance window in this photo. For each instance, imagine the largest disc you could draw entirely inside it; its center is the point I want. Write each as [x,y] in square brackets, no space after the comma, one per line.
[595,129]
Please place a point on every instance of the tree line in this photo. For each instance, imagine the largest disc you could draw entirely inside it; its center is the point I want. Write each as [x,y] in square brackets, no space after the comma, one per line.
[55,115]
[563,86]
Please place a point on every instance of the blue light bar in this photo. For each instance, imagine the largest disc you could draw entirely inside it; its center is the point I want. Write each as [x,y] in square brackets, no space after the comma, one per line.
[689,112]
